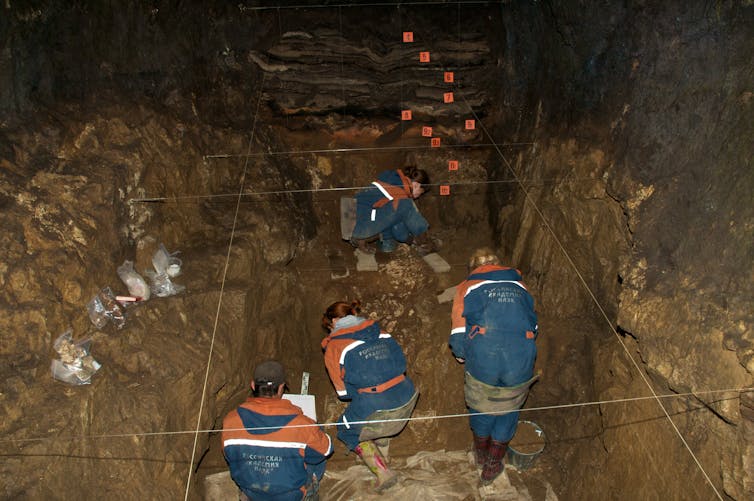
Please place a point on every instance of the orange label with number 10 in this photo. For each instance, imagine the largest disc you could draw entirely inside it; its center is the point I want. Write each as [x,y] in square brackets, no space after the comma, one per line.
[445,190]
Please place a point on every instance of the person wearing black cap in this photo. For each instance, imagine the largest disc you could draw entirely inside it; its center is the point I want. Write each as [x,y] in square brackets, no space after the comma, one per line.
[273,451]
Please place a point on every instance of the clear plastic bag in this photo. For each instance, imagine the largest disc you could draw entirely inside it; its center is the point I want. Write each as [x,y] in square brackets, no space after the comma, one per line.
[166,266]
[136,284]
[104,308]
[162,286]
[76,366]
[165,263]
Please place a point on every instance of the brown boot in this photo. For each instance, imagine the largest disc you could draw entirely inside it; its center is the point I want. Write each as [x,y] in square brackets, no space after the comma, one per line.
[494,465]
[423,244]
[371,456]
[481,450]
[365,245]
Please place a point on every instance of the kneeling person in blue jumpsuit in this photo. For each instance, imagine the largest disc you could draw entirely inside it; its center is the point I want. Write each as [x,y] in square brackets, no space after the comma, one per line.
[274,452]
[494,328]
[387,212]
[367,367]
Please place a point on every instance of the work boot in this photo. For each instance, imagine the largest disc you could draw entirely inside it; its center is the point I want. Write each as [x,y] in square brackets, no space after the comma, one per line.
[371,456]
[494,464]
[387,245]
[364,245]
[481,450]
[423,244]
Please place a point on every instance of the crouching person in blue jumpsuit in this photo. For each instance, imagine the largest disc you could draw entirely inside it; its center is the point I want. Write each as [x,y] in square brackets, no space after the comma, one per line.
[274,452]
[367,367]
[386,212]
[494,328]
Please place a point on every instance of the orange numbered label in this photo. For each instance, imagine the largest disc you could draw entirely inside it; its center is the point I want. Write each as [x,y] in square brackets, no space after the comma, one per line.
[406,115]
[427,131]
[448,77]
[445,189]
[424,57]
[435,142]
[470,125]
[452,164]
[408,36]
[448,97]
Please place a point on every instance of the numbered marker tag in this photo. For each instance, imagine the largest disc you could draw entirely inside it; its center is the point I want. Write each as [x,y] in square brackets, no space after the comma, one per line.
[448,77]
[445,190]
[470,124]
[406,115]
[452,164]
[424,57]
[435,142]
[448,97]
[408,36]
[427,131]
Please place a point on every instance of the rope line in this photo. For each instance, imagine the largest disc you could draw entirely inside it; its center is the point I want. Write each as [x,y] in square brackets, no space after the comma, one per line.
[530,199]
[419,418]
[243,8]
[222,287]
[543,182]
[358,150]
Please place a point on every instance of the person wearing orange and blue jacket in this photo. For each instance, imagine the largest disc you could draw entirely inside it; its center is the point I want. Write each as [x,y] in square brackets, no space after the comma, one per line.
[274,452]
[494,328]
[366,366]
[387,212]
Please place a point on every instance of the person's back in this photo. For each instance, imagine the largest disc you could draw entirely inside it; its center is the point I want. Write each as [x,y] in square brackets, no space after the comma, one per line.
[493,332]
[499,325]
[273,451]
[366,366]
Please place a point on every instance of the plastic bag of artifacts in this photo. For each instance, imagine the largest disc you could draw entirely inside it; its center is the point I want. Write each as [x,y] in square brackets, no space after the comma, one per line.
[75,366]
[137,286]
[104,308]
[165,263]
[166,266]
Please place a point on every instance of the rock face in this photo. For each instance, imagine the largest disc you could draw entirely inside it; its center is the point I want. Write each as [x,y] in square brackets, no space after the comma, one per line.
[629,209]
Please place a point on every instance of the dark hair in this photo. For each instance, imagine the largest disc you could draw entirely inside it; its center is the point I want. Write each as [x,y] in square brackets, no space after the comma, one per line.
[414,174]
[339,309]
[267,390]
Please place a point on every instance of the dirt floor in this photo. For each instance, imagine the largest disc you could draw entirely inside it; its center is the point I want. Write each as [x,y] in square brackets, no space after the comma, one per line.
[404,297]
[621,161]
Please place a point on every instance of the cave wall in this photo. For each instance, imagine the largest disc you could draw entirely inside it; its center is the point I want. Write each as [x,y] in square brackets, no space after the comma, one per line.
[640,114]
[67,184]
[645,111]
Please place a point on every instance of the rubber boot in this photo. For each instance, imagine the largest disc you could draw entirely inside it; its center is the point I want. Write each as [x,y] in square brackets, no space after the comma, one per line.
[383,444]
[371,456]
[481,450]
[494,464]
